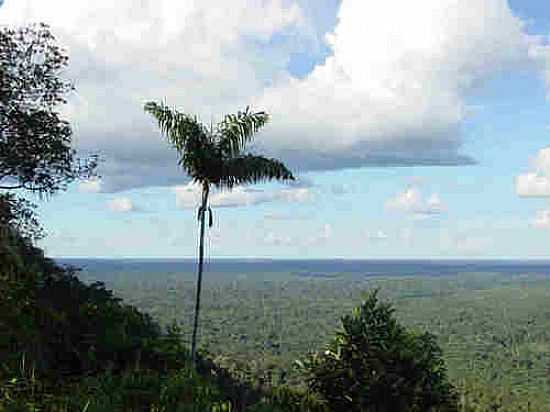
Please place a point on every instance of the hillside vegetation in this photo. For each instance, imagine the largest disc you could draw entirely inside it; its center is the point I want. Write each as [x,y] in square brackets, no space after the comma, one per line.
[71,346]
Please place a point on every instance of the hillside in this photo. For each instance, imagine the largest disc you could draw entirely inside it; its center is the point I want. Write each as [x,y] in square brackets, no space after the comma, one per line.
[71,346]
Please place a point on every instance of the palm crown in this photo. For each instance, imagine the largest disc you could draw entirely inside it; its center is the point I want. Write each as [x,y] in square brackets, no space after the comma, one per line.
[216,155]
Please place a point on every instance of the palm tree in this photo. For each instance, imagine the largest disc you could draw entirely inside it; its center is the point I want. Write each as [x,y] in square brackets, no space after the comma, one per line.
[215,157]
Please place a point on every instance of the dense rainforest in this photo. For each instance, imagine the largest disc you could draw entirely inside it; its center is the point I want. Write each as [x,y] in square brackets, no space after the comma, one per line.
[492,326]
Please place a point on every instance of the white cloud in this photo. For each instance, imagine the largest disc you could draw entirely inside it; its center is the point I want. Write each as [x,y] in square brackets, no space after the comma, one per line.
[90,186]
[299,195]
[376,236]
[532,185]
[272,238]
[237,197]
[391,92]
[536,183]
[121,205]
[411,201]
[189,196]
[542,220]
[205,56]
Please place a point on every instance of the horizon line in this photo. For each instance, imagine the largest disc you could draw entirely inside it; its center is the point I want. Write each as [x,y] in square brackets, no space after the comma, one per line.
[404,258]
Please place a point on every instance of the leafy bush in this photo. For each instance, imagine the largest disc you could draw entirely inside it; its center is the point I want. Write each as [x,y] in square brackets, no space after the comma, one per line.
[286,399]
[182,390]
[376,364]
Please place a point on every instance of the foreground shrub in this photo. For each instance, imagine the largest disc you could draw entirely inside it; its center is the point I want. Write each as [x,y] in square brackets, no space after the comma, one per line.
[376,364]
[144,390]
[286,399]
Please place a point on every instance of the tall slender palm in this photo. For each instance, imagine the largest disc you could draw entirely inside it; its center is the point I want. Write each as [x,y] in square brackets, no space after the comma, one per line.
[216,157]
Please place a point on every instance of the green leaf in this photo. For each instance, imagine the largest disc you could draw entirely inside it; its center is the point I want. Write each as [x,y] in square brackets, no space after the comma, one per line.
[249,169]
[235,131]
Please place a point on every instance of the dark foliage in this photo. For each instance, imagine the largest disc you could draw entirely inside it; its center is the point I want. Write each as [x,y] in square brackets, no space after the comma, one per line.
[62,325]
[35,143]
[66,345]
[376,364]
[216,156]
[17,218]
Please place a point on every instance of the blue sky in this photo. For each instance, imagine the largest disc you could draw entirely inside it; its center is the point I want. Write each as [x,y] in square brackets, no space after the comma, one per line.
[436,83]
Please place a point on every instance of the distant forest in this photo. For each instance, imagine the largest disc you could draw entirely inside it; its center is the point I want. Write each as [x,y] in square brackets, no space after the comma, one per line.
[493,327]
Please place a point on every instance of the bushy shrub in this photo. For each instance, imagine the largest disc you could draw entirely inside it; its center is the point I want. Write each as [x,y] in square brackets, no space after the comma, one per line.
[182,390]
[286,399]
[376,364]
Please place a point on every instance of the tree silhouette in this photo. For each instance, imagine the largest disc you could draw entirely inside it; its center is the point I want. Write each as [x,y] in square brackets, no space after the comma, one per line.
[35,142]
[216,157]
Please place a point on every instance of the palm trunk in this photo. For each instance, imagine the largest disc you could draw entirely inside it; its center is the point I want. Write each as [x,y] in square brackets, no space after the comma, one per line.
[202,216]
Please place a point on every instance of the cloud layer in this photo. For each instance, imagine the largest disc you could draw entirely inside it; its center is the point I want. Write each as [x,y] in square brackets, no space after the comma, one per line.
[391,92]
[189,196]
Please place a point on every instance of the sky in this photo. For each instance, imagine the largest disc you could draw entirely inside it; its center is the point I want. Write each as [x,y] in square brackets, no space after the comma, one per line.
[416,129]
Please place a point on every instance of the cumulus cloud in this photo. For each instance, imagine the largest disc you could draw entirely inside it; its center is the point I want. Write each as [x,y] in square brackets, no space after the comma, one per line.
[121,205]
[272,238]
[391,91]
[542,220]
[90,186]
[412,202]
[533,185]
[189,196]
[536,183]
[376,236]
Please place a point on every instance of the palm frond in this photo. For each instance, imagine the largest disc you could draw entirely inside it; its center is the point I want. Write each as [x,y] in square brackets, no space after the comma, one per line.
[179,128]
[236,130]
[252,169]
